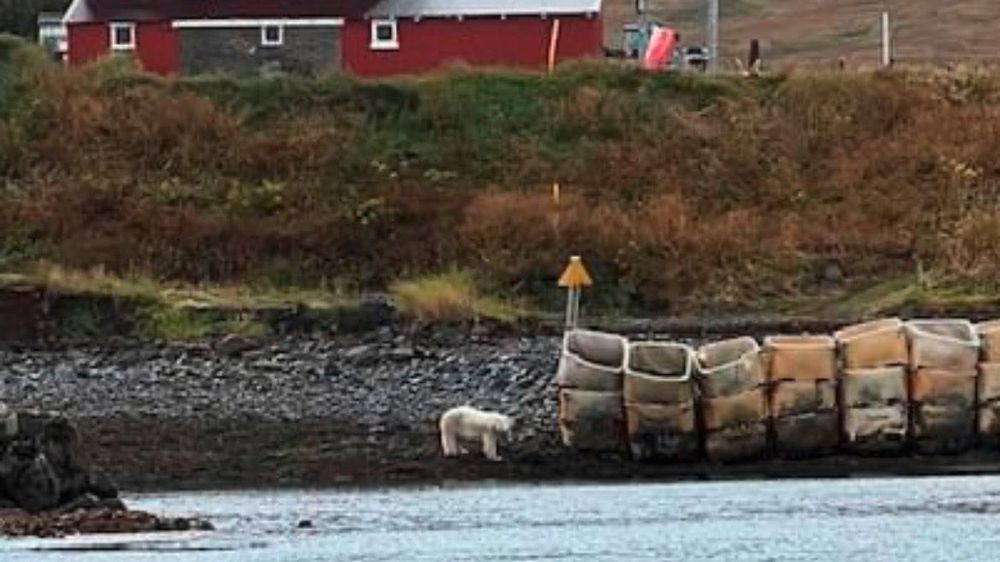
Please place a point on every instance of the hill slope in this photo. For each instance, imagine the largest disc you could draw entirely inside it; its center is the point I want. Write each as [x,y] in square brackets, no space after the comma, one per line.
[812,31]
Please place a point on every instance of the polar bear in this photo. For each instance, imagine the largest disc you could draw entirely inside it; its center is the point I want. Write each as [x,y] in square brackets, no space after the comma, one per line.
[466,422]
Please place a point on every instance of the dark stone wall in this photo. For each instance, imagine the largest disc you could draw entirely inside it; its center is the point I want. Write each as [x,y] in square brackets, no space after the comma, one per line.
[306,50]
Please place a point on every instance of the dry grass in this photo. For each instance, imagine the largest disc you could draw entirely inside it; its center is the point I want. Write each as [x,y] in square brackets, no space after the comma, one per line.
[793,32]
[449,297]
[98,281]
[95,281]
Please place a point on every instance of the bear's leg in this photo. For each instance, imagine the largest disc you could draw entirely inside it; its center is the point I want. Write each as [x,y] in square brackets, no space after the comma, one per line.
[449,442]
[490,446]
[444,443]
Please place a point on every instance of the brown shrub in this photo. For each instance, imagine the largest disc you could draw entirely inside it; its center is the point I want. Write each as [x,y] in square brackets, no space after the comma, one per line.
[675,191]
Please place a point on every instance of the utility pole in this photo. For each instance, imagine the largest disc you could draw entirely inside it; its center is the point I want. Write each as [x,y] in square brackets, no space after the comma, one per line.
[713,34]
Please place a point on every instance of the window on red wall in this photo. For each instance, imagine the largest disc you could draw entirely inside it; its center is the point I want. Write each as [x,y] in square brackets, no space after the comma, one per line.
[385,35]
[122,36]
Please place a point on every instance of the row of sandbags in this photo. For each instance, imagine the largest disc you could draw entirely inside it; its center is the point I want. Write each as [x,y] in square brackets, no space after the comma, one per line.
[872,388]
[657,399]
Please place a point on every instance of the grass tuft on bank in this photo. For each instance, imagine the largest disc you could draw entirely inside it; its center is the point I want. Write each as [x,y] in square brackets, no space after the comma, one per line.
[452,296]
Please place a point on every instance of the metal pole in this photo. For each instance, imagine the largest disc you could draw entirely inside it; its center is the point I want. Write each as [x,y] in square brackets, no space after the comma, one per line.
[886,41]
[576,306]
[713,34]
[572,307]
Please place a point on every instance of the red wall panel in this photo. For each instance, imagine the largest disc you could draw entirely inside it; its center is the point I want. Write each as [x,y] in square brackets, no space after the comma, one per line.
[158,46]
[431,44]
[87,42]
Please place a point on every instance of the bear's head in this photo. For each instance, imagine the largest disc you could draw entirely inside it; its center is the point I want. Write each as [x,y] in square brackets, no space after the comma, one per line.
[504,424]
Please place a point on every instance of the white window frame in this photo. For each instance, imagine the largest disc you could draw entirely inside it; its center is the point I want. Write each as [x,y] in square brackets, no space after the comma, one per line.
[265,42]
[385,44]
[114,28]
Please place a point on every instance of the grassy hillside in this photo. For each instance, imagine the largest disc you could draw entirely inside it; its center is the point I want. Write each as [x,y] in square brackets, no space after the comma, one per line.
[682,192]
[821,31]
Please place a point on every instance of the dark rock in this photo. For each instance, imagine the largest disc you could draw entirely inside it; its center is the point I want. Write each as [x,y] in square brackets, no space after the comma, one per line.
[404,353]
[27,476]
[86,501]
[19,523]
[235,345]
[113,504]
[305,524]
[103,487]
[42,468]
[375,311]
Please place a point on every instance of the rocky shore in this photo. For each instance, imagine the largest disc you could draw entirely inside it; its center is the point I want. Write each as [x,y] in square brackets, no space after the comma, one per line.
[349,410]
[19,523]
[298,410]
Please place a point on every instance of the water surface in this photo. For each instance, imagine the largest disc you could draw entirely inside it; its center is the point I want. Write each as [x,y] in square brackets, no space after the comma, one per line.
[863,520]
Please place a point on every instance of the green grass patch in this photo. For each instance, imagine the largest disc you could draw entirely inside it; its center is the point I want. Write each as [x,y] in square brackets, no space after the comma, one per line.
[177,324]
[245,325]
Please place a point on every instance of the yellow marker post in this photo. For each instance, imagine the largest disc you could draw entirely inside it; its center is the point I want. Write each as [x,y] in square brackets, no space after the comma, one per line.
[553,45]
[574,279]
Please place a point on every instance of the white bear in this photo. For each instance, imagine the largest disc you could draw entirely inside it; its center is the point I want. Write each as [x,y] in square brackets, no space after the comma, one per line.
[467,422]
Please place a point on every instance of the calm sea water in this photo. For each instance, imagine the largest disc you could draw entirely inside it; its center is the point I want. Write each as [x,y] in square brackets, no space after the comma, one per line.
[915,520]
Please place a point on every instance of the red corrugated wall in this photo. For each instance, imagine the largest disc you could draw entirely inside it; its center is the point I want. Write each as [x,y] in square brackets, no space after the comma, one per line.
[158,46]
[87,42]
[430,44]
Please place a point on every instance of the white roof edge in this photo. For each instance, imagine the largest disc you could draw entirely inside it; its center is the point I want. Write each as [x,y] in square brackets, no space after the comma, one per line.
[78,12]
[482,8]
[485,13]
[254,22]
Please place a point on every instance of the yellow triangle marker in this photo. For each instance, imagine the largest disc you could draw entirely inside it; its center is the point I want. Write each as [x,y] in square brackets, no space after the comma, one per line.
[576,274]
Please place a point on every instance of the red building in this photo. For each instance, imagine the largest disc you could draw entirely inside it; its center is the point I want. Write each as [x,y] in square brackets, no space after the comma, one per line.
[365,37]
[413,36]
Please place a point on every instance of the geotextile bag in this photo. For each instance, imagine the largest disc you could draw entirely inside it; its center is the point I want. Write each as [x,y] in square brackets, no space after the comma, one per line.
[873,387]
[943,344]
[989,335]
[801,358]
[729,367]
[743,408]
[803,435]
[591,421]
[659,373]
[600,348]
[939,429]
[879,343]
[988,382]
[869,427]
[737,443]
[577,372]
[657,431]
[939,387]
[802,397]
